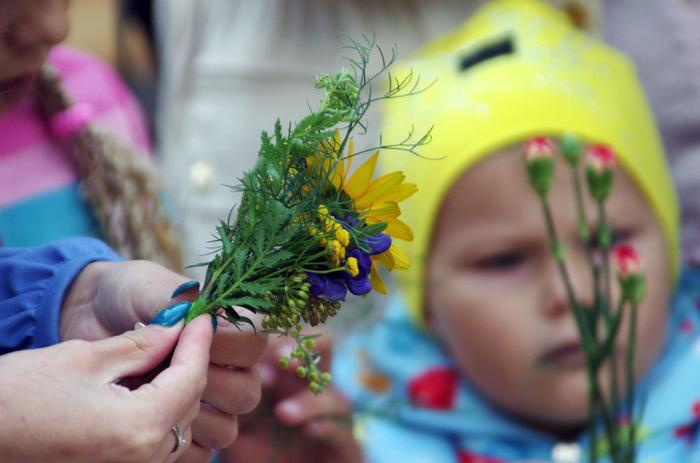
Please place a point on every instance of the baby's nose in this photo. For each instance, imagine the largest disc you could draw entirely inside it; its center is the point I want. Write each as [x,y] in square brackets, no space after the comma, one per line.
[571,280]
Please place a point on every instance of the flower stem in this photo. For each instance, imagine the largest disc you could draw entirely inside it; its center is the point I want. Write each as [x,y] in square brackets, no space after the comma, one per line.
[604,239]
[558,252]
[631,343]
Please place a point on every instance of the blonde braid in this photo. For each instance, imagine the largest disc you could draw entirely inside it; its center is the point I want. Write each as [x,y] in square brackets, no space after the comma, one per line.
[118,185]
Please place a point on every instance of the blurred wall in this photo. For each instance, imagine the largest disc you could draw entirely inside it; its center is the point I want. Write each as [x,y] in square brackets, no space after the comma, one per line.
[93,27]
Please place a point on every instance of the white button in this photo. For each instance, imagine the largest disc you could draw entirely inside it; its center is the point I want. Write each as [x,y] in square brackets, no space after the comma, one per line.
[566,453]
[202,175]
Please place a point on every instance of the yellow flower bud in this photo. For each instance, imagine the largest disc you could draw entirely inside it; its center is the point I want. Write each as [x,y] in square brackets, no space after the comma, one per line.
[343,236]
[351,266]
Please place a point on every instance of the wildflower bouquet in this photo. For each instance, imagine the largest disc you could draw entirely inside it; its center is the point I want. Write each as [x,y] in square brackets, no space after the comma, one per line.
[598,325]
[308,231]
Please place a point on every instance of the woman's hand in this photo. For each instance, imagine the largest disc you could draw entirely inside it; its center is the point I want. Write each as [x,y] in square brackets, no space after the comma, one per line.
[109,298]
[291,424]
[63,403]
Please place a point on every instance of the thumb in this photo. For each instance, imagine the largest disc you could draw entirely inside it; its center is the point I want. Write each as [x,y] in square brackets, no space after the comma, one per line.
[138,351]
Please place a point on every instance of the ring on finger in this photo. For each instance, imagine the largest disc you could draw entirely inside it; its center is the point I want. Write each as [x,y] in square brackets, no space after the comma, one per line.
[180,437]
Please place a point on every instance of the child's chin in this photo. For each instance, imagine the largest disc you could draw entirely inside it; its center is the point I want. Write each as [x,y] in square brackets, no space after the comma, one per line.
[564,421]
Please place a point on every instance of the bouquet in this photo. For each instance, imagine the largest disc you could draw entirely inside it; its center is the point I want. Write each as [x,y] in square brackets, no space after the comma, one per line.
[309,229]
[598,325]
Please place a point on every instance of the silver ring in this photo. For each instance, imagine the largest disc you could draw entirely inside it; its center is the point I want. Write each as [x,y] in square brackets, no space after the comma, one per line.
[181,440]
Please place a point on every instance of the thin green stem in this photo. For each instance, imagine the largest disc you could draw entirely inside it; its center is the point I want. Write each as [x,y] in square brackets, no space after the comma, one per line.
[597,397]
[604,243]
[585,235]
[558,252]
[631,343]
[592,429]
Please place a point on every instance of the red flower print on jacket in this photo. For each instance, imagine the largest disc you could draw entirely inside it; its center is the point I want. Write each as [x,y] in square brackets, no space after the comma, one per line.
[468,457]
[434,389]
[689,432]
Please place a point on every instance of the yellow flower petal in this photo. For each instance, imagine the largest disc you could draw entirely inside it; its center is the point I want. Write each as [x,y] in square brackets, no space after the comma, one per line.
[398,229]
[385,259]
[379,189]
[376,281]
[382,212]
[402,192]
[401,260]
[359,181]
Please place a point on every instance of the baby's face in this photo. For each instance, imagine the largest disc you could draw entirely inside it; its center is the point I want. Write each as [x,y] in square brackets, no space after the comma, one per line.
[496,298]
[28,30]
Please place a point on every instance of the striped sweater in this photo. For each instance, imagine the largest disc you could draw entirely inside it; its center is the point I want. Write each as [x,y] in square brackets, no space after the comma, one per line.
[39,197]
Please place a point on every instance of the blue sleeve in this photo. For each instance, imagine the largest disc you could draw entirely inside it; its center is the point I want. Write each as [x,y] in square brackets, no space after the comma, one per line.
[33,282]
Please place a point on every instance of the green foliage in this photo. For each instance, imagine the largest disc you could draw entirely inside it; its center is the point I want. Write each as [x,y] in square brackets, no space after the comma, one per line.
[262,258]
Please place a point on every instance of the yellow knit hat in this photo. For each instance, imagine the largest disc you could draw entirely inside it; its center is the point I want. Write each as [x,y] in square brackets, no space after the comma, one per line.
[517,69]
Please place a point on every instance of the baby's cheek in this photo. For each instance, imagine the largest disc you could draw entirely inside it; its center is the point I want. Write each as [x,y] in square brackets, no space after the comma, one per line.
[650,338]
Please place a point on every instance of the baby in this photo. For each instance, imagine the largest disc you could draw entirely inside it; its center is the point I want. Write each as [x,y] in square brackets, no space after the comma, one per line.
[480,358]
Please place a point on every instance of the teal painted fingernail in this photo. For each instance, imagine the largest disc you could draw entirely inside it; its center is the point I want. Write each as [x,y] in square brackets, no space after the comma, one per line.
[172,314]
[214,323]
[185,287]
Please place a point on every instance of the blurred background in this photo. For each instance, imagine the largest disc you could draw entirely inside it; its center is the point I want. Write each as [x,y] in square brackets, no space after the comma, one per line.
[210,75]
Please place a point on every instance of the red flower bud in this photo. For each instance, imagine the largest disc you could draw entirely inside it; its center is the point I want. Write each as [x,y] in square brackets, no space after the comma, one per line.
[626,260]
[539,158]
[628,268]
[538,147]
[600,158]
[600,164]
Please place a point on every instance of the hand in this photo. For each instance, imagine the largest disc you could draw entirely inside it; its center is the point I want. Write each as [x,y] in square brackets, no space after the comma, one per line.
[61,403]
[291,424]
[109,298]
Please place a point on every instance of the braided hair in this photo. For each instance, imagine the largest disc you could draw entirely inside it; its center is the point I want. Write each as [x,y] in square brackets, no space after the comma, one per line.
[117,183]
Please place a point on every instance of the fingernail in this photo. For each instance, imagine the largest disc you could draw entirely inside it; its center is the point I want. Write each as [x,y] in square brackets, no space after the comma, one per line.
[214,323]
[267,374]
[185,287]
[289,408]
[315,427]
[139,325]
[285,350]
[171,315]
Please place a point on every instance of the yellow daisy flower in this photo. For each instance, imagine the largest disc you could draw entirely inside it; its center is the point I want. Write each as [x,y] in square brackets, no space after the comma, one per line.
[376,200]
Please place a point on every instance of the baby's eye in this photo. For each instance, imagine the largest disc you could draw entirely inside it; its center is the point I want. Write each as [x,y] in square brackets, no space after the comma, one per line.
[502,261]
[618,235]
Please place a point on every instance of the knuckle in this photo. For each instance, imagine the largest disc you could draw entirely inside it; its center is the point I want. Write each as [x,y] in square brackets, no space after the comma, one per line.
[139,341]
[138,443]
[77,349]
[226,434]
[251,395]
[201,387]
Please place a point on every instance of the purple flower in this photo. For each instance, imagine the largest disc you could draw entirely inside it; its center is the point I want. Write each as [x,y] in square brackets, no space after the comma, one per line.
[379,243]
[317,284]
[359,285]
[328,287]
[336,290]
[364,261]
[350,221]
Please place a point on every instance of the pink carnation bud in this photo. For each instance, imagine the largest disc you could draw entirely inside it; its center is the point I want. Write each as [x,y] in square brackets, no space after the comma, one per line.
[626,260]
[600,158]
[629,273]
[538,147]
